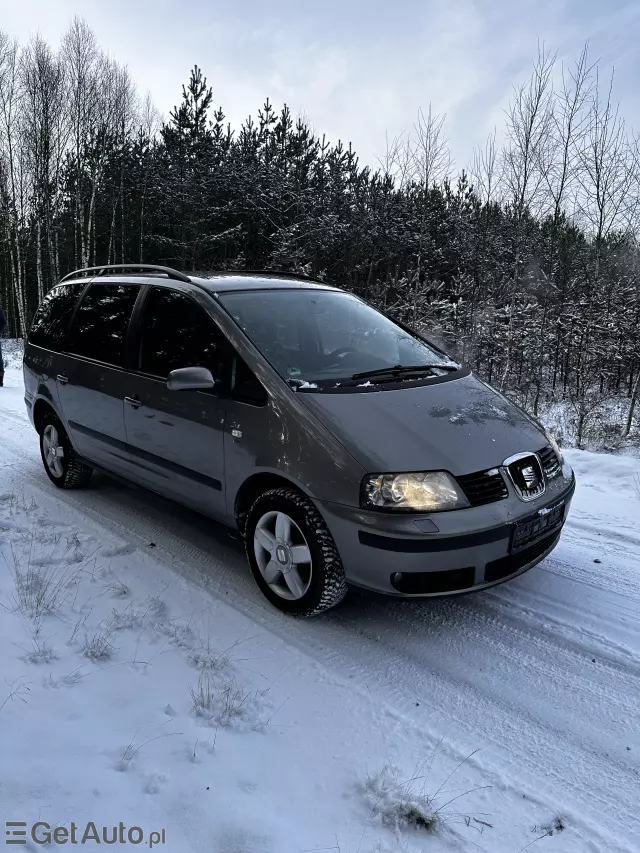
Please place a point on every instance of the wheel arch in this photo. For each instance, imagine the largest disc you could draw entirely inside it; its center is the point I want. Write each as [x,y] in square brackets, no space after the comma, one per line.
[41,408]
[256,485]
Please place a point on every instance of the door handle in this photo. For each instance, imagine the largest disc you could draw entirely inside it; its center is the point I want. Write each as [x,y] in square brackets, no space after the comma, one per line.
[62,378]
[135,402]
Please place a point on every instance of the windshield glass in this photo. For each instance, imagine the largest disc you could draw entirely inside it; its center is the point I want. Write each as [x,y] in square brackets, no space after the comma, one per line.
[322,337]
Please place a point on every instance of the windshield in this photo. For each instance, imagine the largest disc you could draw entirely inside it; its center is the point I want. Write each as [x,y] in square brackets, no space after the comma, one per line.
[322,338]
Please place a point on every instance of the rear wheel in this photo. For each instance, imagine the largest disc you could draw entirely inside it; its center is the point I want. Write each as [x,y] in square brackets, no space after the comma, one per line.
[292,554]
[59,458]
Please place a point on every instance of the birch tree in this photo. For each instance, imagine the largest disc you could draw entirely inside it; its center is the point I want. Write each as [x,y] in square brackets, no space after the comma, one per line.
[13,176]
[44,137]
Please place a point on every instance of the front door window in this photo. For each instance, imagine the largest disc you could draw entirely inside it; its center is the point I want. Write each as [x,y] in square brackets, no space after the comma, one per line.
[177,332]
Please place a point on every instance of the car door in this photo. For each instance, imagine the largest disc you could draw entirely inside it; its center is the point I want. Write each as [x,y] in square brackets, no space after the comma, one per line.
[90,384]
[175,438]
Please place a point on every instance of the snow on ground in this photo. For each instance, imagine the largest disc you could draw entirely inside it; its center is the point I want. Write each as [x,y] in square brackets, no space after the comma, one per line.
[145,680]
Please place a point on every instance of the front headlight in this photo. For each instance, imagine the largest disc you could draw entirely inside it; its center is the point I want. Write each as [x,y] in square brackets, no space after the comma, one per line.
[555,446]
[431,491]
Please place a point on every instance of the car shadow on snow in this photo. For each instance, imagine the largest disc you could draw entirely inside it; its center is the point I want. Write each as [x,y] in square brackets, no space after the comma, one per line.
[187,524]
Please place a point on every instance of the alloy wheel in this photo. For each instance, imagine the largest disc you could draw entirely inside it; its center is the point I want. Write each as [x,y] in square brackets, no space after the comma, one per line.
[53,451]
[283,555]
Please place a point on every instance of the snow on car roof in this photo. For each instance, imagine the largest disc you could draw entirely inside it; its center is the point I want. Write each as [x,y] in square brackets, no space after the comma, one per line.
[256,281]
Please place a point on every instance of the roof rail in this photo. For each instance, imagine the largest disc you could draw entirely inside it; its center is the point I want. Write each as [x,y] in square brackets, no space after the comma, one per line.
[107,268]
[280,273]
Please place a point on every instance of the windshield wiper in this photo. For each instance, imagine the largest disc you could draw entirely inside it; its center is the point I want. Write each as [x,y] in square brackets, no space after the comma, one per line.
[400,369]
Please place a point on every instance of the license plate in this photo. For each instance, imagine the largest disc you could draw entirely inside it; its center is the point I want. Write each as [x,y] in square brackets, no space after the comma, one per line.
[537,527]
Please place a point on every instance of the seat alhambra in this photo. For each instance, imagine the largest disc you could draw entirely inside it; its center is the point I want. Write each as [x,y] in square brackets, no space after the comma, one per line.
[345,447]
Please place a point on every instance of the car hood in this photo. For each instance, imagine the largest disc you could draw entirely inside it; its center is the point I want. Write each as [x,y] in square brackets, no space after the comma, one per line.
[460,425]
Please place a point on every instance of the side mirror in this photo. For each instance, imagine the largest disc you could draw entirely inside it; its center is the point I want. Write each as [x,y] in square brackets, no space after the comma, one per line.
[190,379]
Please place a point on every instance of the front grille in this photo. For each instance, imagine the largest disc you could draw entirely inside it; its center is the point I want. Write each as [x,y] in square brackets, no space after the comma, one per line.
[498,569]
[484,487]
[550,462]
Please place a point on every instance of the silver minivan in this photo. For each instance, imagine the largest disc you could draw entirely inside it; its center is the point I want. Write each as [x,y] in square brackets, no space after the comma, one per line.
[346,448]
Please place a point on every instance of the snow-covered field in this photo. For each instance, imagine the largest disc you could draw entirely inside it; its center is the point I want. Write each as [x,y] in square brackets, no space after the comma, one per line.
[145,680]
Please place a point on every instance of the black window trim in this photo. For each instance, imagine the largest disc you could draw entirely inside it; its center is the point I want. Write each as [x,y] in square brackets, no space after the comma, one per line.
[72,318]
[133,338]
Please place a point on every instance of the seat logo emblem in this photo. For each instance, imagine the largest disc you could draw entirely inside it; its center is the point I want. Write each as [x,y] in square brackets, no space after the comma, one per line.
[525,473]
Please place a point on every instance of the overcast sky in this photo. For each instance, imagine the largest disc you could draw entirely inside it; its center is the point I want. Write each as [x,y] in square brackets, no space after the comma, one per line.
[357,69]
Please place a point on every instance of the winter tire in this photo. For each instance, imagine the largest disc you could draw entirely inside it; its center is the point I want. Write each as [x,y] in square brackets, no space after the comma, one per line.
[292,554]
[59,458]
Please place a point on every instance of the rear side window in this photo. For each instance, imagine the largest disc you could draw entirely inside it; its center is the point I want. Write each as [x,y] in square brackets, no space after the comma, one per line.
[51,320]
[101,321]
[177,332]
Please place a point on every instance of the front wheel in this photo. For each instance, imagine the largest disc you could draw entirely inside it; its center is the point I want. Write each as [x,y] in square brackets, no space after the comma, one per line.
[292,554]
[58,456]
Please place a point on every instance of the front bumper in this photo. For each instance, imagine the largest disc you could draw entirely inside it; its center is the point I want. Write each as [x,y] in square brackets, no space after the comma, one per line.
[445,553]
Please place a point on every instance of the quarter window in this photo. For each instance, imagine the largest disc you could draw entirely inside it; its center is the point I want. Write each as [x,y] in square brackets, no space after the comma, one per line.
[101,322]
[245,385]
[51,320]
